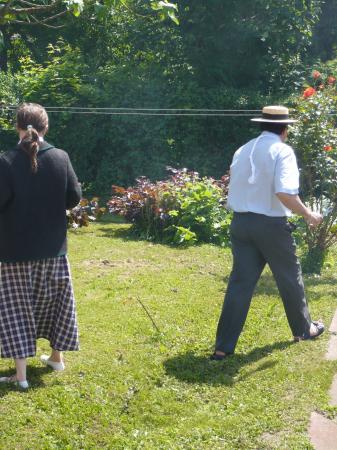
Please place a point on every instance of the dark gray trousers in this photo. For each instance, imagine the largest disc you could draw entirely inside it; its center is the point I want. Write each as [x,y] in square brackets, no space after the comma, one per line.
[257,240]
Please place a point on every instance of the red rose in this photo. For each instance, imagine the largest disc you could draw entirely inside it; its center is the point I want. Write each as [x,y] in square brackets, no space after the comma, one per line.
[331,80]
[309,92]
[316,74]
[327,148]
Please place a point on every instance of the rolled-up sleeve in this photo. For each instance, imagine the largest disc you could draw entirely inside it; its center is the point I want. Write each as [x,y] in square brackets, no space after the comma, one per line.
[287,176]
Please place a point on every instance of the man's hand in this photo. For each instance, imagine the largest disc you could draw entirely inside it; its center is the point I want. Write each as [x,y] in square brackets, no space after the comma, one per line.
[294,203]
[313,219]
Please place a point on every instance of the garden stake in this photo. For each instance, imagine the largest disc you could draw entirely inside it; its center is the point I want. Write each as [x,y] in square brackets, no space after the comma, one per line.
[149,315]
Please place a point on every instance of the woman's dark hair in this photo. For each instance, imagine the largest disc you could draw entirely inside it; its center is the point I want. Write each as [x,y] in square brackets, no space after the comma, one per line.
[276,128]
[33,119]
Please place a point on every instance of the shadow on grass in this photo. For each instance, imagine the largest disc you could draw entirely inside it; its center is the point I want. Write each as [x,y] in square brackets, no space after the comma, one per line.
[34,377]
[118,233]
[126,234]
[192,368]
[112,218]
[267,285]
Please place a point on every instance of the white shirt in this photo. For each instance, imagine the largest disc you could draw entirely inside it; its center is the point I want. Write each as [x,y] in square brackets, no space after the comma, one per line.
[260,169]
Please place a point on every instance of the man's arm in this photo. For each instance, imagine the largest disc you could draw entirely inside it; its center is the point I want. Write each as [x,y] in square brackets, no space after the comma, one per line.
[294,203]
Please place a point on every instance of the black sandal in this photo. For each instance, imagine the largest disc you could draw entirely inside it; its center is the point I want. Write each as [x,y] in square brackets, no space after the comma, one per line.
[320,329]
[216,357]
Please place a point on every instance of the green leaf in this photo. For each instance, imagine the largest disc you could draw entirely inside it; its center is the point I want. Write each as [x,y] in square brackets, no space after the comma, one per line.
[165,4]
[76,6]
[173,17]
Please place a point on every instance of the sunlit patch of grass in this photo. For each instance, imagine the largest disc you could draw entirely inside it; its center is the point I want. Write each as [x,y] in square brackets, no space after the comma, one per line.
[133,387]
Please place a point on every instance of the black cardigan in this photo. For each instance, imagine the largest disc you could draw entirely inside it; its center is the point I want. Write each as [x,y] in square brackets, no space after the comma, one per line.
[33,222]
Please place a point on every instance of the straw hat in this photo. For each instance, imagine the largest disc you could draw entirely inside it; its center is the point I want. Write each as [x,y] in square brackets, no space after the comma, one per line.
[274,114]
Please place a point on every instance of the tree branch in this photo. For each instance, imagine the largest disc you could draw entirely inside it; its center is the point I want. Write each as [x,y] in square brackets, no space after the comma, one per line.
[47,19]
[24,2]
[35,9]
[8,9]
[34,24]
[34,14]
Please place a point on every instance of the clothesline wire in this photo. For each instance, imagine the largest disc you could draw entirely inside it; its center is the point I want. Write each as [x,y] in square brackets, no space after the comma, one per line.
[146,111]
[143,112]
[149,111]
[84,108]
[149,114]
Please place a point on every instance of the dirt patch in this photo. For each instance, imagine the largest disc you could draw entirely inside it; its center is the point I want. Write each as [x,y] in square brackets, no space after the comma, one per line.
[123,263]
[272,440]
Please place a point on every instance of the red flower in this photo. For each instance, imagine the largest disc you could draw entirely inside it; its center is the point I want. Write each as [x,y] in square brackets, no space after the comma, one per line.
[316,74]
[327,148]
[309,92]
[331,80]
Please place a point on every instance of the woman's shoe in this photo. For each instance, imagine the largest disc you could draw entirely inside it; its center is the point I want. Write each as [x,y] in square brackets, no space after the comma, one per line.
[59,366]
[12,380]
[319,330]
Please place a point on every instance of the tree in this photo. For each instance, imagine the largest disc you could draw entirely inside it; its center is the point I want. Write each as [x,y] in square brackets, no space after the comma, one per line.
[255,43]
[47,13]
[29,13]
[325,32]
[29,19]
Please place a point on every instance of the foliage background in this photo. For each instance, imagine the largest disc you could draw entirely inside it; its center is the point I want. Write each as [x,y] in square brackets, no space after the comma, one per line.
[223,55]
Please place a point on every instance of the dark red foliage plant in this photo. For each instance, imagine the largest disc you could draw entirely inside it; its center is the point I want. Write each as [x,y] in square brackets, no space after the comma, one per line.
[85,212]
[169,210]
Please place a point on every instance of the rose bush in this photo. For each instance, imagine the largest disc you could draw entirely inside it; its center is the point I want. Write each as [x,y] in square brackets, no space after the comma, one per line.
[314,137]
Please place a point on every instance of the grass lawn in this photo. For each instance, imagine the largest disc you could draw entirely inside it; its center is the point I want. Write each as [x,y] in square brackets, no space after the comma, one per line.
[132,388]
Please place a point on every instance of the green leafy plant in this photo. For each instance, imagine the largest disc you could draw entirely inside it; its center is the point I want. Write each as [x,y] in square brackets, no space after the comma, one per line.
[182,210]
[315,140]
[199,212]
[57,82]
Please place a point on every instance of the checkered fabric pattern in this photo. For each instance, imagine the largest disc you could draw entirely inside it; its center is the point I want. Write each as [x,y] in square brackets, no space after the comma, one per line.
[36,301]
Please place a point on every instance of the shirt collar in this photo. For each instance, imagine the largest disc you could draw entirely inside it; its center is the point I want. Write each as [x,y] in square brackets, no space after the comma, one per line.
[275,136]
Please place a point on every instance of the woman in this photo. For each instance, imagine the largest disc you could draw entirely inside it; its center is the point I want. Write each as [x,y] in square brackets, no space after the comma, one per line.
[37,185]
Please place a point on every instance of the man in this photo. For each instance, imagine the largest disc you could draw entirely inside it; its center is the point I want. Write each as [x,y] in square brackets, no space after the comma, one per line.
[263,191]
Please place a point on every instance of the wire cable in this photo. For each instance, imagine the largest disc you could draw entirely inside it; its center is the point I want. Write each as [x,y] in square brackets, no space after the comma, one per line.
[83,108]
[127,111]
[145,111]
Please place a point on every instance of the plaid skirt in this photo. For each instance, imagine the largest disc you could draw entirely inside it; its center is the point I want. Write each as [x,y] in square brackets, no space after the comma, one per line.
[36,301]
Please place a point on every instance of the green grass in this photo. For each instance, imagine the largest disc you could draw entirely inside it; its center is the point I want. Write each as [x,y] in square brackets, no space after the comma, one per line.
[132,388]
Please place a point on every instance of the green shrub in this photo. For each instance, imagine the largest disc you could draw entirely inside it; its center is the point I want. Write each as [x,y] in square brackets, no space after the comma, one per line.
[184,209]
[199,214]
